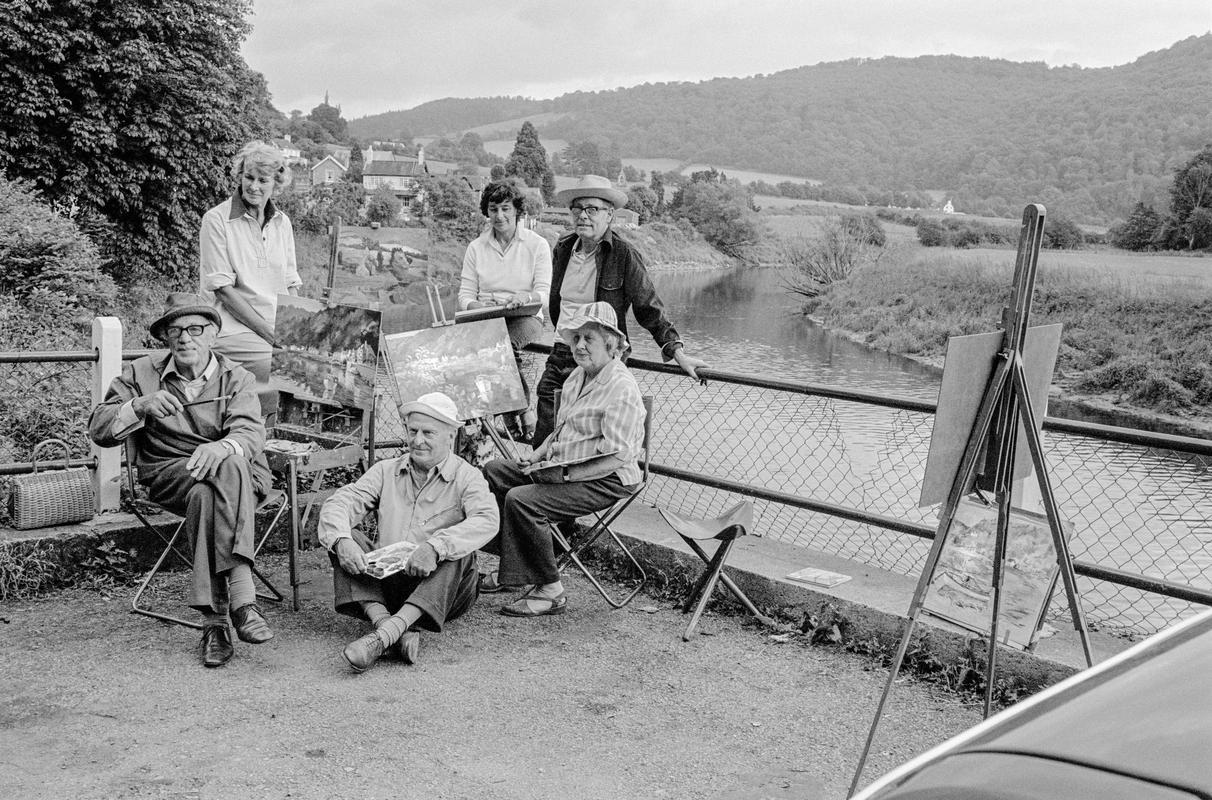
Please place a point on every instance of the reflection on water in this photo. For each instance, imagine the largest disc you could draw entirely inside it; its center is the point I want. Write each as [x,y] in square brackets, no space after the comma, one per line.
[1133,508]
[744,321]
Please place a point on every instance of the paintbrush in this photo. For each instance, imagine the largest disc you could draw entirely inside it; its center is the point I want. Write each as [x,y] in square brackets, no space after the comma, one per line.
[208,400]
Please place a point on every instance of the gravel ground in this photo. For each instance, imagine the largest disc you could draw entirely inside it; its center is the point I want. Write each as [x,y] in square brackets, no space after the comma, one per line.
[594,704]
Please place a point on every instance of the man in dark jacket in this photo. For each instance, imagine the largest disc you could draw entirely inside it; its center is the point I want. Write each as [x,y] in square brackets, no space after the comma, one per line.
[594,264]
[198,438]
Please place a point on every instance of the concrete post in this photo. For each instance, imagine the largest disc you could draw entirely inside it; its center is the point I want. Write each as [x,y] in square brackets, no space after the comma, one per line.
[107,478]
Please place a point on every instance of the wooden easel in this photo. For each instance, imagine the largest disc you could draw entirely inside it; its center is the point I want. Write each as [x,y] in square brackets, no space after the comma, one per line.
[1004,403]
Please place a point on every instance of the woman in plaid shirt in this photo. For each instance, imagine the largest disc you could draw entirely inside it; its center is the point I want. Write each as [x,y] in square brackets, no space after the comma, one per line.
[588,462]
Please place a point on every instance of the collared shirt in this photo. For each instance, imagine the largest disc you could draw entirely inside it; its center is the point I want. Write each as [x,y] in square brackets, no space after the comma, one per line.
[580,283]
[127,421]
[257,260]
[622,281]
[454,510]
[495,274]
[605,415]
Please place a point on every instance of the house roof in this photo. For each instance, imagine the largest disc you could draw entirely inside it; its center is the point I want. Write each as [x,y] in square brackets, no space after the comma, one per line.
[329,158]
[402,169]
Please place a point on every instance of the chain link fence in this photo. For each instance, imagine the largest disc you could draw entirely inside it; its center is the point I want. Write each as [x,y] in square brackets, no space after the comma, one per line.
[1140,509]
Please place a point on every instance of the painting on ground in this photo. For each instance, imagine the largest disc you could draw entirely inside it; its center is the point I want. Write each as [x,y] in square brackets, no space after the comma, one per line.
[327,354]
[961,589]
[472,363]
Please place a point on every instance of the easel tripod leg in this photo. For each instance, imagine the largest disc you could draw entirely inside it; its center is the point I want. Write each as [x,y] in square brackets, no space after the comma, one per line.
[1061,545]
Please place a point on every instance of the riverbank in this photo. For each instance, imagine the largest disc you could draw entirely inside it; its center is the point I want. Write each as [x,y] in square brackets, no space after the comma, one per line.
[1135,355]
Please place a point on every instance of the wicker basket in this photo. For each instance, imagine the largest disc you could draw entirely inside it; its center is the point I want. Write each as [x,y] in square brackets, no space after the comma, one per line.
[50,497]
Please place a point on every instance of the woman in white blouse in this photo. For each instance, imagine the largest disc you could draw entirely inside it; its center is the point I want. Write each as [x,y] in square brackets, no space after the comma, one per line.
[508,265]
[247,257]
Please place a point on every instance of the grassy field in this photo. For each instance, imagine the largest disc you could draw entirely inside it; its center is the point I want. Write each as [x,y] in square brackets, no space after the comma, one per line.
[1137,328]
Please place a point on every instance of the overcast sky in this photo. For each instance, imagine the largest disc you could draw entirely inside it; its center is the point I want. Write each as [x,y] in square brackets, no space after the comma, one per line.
[382,55]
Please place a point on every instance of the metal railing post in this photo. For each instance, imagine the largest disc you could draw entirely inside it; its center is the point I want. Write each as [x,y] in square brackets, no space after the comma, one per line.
[107,477]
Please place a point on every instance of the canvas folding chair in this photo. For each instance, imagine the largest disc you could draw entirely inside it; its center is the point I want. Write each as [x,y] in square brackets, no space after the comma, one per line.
[726,529]
[604,519]
[142,508]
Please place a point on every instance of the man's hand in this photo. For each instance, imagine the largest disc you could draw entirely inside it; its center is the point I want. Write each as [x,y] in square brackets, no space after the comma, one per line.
[422,562]
[159,405]
[690,364]
[205,461]
[519,299]
[350,556]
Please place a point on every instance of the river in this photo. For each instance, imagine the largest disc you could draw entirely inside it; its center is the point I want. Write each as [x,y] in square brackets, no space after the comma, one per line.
[1139,509]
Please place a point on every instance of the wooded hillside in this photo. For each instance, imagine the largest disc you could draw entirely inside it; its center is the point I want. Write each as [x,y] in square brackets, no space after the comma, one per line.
[991,133]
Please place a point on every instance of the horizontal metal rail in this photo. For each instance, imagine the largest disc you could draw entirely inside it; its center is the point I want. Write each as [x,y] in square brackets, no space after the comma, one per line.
[22,467]
[1179,591]
[58,356]
[1110,433]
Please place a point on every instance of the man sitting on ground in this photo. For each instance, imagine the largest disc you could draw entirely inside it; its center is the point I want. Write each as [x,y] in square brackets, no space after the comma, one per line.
[429,497]
[198,438]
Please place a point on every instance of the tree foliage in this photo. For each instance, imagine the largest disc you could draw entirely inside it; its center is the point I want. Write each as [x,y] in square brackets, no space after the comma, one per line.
[1191,193]
[329,118]
[529,162]
[451,210]
[718,208]
[383,205]
[129,116]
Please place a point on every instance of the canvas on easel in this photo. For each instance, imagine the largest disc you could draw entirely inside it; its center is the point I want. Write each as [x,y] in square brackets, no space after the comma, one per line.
[471,363]
[961,590]
[326,353]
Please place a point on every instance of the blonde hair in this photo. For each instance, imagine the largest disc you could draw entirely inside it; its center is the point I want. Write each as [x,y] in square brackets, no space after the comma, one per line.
[263,156]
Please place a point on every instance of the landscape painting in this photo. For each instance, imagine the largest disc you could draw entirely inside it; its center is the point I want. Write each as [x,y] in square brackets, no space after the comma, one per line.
[325,353]
[961,589]
[472,363]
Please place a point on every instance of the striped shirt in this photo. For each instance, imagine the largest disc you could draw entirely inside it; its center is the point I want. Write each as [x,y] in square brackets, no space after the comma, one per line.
[604,415]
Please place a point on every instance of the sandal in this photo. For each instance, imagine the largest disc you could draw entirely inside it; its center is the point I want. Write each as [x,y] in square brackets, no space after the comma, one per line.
[531,606]
[487,583]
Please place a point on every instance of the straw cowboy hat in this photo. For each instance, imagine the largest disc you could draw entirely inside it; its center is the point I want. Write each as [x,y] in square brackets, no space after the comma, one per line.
[592,186]
[183,304]
[600,313]
[434,404]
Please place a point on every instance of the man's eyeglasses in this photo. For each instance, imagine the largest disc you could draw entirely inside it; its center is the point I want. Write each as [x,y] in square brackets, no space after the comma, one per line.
[592,211]
[194,331]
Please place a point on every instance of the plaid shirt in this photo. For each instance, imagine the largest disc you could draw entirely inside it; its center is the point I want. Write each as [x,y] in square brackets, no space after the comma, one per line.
[604,416]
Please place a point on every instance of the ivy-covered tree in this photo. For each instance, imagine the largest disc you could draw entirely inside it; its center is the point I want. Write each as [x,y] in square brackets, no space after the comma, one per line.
[329,118]
[451,210]
[642,201]
[529,162]
[383,205]
[129,114]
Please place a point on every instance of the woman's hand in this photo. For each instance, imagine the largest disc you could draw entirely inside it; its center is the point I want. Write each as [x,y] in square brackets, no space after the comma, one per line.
[518,300]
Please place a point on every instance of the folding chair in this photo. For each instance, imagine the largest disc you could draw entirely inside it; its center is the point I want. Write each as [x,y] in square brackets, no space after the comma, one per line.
[171,544]
[727,528]
[602,525]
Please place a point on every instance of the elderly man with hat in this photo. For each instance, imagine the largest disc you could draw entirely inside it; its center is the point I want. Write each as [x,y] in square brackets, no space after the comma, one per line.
[428,497]
[594,263]
[590,461]
[198,439]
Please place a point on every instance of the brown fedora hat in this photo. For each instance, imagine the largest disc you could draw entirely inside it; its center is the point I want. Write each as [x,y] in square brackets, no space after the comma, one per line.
[181,304]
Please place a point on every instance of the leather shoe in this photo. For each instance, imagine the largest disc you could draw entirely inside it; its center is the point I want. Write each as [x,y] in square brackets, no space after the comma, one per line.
[250,624]
[409,647]
[362,654]
[216,645]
